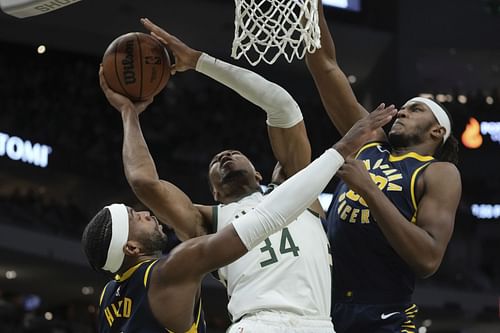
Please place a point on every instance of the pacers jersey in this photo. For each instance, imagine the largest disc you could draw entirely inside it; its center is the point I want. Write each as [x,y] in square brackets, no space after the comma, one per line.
[124,306]
[366,268]
[290,271]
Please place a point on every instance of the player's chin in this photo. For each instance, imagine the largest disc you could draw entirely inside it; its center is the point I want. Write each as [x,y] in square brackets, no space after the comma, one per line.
[397,138]
[396,131]
[230,174]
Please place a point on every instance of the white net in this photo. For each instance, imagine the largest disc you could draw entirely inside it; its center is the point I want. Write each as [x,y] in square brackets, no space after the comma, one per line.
[266,29]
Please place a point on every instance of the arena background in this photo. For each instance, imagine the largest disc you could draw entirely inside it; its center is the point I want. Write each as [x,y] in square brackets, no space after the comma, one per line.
[391,49]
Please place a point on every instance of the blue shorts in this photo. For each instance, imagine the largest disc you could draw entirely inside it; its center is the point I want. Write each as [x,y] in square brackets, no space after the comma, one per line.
[370,318]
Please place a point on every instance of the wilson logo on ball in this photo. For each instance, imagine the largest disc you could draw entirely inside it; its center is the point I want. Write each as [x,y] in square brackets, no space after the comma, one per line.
[128,63]
[136,65]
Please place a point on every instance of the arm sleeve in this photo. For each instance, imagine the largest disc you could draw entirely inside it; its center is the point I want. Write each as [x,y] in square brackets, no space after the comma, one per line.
[288,201]
[282,110]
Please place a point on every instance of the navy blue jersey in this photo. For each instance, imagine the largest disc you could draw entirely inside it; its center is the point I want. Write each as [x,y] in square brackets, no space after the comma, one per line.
[124,306]
[366,267]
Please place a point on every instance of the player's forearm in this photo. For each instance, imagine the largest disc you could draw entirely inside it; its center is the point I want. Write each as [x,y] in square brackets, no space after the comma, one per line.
[138,164]
[325,56]
[412,243]
[281,108]
[289,200]
[333,86]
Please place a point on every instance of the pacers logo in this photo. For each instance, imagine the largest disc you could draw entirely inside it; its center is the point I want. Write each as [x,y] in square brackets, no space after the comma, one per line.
[471,137]
[353,208]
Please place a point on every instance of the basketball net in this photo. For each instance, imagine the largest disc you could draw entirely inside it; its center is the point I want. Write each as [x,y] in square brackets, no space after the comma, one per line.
[267,29]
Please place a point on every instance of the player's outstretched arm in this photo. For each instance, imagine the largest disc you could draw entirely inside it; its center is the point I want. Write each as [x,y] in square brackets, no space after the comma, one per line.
[286,128]
[335,90]
[168,203]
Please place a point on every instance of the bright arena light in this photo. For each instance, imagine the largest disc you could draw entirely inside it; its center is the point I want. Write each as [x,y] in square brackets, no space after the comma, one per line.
[48,316]
[422,329]
[462,99]
[336,3]
[352,79]
[41,49]
[426,95]
[87,290]
[10,275]
[489,100]
[441,98]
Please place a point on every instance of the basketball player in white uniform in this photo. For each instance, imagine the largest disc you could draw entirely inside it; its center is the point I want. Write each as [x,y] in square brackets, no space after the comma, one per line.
[283,284]
[286,276]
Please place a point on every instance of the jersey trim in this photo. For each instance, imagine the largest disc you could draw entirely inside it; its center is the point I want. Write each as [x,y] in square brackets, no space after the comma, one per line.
[130,271]
[412,187]
[103,292]
[414,155]
[199,313]
[215,218]
[146,274]
[365,147]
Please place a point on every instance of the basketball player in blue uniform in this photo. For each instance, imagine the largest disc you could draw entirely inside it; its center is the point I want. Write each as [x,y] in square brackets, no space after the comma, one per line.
[152,293]
[393,213]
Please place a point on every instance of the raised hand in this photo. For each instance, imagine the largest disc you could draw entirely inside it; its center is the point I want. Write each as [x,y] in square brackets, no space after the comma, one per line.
[364,129]
[185,57]
[356,176]
[118,101]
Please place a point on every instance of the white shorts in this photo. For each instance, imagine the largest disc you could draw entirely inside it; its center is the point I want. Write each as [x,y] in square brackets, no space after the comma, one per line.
[276,322]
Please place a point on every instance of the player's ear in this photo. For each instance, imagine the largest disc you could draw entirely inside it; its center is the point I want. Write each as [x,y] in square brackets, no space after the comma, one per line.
[258,176]
[438,132]
[132,248]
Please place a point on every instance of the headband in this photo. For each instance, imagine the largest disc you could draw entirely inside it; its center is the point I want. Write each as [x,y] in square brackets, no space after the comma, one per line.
[439,113]
[119,237]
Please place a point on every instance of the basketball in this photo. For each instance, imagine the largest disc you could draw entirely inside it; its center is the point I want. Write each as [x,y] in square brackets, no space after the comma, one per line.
[136,65]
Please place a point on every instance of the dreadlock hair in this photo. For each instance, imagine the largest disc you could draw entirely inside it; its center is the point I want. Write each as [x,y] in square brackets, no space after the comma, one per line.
[96,239]
[448,151]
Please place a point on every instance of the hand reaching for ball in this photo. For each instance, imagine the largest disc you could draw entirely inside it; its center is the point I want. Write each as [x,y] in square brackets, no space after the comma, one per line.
[185,57]
[121,102]
[136,65]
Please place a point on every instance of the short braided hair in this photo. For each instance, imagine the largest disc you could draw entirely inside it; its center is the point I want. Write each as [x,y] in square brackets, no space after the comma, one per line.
[96,238]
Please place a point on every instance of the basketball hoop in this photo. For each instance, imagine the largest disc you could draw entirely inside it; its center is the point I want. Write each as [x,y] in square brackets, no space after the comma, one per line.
[267,29]
[27,8]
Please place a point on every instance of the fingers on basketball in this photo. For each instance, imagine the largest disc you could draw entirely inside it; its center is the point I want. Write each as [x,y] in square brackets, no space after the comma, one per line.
[137,66]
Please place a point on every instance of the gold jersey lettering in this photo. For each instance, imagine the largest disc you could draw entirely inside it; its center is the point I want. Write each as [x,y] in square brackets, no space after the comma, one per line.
[354,214]
[359,210]
[365,216]
[345,212]
[120,309]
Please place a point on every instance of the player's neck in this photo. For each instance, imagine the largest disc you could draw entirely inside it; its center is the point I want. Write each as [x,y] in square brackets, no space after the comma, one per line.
[130,263]
[237,193]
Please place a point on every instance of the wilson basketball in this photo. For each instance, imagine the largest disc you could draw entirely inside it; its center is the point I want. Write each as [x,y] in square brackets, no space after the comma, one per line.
[136,65]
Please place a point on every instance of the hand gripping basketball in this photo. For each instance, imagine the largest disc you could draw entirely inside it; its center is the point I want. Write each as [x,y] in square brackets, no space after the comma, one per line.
[136,65]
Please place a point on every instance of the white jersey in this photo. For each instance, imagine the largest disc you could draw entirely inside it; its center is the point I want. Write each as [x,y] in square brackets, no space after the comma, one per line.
[289,272]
